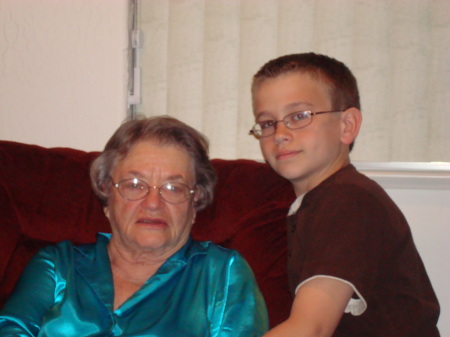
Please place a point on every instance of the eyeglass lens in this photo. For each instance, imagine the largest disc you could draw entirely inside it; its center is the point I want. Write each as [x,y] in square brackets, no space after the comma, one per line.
[295,120]
[135,189]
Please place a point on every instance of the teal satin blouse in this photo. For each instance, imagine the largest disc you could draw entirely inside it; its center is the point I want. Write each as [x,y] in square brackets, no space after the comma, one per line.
[202,290]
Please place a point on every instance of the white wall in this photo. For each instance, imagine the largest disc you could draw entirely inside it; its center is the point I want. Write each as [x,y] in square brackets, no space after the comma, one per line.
[63,71]
[422,191]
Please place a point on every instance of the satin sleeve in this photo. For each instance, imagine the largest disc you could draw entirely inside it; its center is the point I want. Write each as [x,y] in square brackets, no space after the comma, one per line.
[33,296]
[244,313]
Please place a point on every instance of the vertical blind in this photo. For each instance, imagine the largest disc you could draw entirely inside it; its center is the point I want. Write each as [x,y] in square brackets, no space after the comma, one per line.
[199,57]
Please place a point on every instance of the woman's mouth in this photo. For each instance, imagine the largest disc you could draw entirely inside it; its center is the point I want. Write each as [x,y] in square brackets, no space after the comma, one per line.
[151,222]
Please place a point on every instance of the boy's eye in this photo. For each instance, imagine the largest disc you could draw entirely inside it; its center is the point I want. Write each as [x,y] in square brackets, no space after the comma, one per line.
[299,116]
[266,124]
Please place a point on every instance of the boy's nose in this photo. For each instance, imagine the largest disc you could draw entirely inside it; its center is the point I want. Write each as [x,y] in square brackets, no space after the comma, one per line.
[282,132]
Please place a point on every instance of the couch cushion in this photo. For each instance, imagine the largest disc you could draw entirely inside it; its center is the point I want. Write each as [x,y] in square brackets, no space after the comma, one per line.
[9,228]
[51,192]
[243,186]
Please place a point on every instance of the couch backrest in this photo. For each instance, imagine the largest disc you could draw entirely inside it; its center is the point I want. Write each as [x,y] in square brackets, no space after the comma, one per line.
[46,197]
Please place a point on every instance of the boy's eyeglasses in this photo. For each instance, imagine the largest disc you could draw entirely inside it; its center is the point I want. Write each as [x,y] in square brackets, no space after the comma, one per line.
[295,120]
[136,189]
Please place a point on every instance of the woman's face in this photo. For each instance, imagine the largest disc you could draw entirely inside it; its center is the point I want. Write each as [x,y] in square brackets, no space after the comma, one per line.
[152,224]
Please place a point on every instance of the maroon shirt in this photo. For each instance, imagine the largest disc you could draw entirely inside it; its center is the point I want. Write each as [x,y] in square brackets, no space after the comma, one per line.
[348,227]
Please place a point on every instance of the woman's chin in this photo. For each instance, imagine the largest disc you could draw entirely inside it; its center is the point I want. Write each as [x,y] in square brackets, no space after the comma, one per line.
[152,241]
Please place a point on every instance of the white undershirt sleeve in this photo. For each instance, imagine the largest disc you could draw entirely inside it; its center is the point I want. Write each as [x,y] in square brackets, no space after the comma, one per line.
[355,306]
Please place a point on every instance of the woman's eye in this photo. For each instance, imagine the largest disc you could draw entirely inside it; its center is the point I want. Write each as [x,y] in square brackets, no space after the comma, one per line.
[133,186]
[171,188]
[174,188]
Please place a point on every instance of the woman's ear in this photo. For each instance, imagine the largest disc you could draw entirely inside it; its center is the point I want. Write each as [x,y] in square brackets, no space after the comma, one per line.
[351,123]
[106,211]
[196,197]
[197,194]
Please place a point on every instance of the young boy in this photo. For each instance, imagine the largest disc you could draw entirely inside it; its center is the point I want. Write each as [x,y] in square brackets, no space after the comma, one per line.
[353,267]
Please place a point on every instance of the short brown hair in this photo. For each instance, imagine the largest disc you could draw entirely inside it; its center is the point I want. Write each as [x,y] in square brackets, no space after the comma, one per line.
[165,130]
[343,86]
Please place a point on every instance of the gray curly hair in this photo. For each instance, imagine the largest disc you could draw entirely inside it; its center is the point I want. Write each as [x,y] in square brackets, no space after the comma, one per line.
[165,130]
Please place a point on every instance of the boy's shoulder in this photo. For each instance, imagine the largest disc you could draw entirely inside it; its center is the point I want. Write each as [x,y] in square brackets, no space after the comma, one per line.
[351,197]
[350,177]
[350,185]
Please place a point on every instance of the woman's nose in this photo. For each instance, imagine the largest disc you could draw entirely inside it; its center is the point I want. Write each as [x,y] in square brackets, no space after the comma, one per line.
[153,198]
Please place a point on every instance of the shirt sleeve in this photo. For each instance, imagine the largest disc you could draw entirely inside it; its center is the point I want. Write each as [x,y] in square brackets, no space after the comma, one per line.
[243,313]
[32,297]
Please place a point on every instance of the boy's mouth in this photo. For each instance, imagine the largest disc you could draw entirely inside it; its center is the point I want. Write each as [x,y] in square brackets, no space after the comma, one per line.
[286,154]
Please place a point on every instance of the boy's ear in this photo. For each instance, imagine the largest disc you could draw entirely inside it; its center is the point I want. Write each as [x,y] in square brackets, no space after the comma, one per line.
[351,123]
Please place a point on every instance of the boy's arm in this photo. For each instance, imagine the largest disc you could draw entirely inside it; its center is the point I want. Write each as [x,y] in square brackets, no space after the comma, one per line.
[317,309]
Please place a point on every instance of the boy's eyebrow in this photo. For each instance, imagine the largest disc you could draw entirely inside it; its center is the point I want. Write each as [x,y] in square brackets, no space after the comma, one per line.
[290,106]
[297,104]
[264,114]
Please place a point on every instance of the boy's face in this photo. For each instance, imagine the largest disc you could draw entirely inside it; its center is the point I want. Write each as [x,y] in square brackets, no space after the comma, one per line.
[305,156]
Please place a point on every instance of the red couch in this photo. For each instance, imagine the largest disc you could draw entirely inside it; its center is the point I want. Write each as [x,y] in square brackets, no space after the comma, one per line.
[45,197]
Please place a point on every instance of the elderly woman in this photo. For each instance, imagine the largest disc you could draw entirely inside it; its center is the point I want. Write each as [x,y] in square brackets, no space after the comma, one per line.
[149,277]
